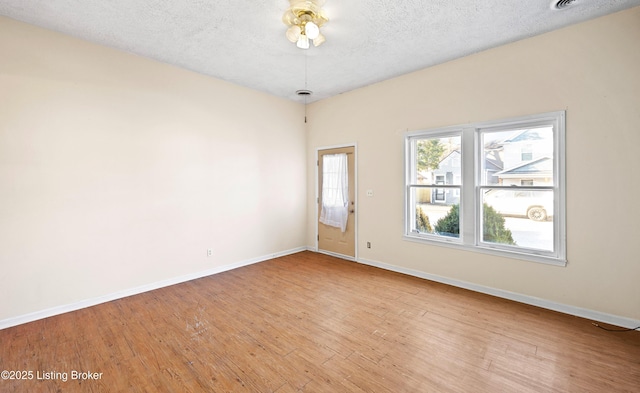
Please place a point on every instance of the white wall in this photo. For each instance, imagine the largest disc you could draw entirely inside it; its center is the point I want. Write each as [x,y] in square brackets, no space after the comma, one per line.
[117,171]
[591,70]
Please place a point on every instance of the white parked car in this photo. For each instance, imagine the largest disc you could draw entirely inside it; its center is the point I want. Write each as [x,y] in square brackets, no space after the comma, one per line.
[536,205]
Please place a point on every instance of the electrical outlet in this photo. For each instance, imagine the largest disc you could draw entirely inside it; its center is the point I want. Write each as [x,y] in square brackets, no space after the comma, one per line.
[368,244]
[209,252]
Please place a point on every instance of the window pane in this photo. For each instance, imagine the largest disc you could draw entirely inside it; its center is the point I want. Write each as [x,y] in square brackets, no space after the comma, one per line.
[432,216]
[335,179]
[515,157]
[518,217]
[437,161]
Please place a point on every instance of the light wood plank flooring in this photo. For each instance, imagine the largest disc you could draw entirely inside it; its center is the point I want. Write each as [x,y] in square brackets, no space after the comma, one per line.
[313,323]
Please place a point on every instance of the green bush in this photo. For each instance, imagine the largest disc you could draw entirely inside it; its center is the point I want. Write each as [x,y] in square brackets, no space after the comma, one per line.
[449,225]
[422,221]
[494,229]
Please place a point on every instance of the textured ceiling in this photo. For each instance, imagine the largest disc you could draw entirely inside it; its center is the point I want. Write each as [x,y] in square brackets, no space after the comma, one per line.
[242,41]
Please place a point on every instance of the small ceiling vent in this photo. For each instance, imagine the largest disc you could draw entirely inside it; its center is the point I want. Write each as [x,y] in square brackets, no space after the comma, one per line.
[304,93]
[562,4]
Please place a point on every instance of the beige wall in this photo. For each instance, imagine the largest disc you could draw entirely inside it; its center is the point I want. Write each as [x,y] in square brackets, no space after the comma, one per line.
[591,70]
[117,171]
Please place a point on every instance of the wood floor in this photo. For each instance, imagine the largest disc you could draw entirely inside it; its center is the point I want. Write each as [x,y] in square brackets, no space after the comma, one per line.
[313,323]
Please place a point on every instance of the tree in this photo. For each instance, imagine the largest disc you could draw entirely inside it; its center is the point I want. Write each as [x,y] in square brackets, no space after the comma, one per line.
[422,221]
[494,230]
[429,154]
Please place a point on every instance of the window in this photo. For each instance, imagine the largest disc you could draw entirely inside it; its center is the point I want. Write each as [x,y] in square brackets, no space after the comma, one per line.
[473,187]
[527,152]
[335,190]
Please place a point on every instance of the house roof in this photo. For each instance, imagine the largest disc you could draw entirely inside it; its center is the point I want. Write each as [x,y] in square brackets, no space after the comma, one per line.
[493,164]
[527,135]
[541,167]
[452,152]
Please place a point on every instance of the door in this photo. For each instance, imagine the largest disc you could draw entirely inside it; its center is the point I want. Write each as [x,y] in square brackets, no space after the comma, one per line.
[439,191]
[332,238]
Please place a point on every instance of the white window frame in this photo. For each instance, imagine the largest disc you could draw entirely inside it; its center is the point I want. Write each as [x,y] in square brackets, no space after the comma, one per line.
[470,200]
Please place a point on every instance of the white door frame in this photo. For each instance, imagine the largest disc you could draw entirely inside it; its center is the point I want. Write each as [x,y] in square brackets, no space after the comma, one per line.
[355,192]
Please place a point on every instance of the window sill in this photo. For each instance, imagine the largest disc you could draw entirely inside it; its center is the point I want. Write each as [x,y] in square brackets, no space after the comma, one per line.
[488,250]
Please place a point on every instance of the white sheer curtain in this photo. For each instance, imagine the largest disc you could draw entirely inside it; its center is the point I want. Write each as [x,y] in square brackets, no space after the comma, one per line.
[335,191]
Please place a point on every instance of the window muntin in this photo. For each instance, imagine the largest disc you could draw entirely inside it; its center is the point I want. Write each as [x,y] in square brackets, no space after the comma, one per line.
[500,200]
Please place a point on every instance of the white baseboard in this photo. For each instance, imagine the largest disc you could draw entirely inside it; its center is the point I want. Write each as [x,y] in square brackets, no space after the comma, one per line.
[34,316]
[531,300]
[334,254]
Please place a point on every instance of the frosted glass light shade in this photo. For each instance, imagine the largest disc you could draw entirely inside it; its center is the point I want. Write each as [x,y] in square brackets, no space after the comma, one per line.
[311,30]
[303,42]
[293,33]
[318,40]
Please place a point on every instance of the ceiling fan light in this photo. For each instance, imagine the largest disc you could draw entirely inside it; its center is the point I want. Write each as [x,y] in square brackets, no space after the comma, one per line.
[303,42]
[304,18]
[318,40]
[311,30]
[293,33]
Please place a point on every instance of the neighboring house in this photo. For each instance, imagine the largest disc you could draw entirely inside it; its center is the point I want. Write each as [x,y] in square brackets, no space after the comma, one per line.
[527,145]
[527,158]
[449,172]
[525,154]
[538,172]
[492,165]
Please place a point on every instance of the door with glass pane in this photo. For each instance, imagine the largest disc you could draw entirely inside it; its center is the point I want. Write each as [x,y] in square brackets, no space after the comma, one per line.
[336,201]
